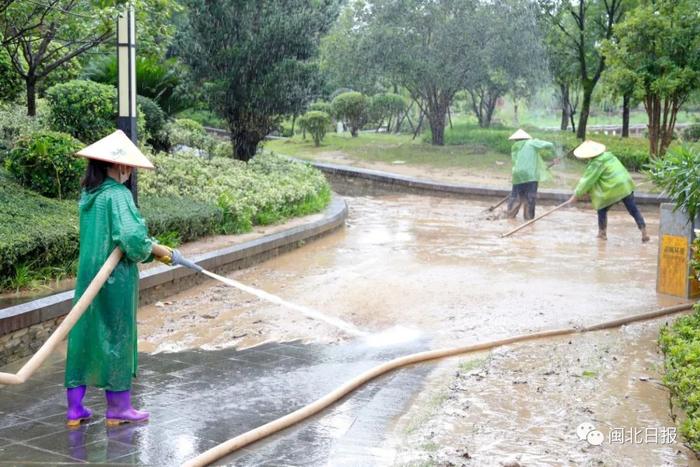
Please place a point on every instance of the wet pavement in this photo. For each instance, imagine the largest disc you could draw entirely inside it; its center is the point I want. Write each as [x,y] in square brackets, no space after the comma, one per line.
[199,399]
[433,265]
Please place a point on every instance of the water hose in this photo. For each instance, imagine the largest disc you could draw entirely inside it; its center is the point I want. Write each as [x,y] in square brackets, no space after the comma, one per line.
[522,226]
[66,325]
[305,412]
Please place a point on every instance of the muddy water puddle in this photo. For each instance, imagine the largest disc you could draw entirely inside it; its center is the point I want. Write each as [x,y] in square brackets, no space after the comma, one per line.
[523,405]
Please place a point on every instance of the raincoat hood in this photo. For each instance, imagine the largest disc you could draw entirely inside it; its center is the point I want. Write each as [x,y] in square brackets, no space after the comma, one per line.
[87,198]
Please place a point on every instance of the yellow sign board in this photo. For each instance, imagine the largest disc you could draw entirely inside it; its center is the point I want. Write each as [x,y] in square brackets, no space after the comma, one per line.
[674,274]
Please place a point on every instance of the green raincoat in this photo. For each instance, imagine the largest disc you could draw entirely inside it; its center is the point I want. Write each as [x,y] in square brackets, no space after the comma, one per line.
[102,345]
[529,158]
[606,179]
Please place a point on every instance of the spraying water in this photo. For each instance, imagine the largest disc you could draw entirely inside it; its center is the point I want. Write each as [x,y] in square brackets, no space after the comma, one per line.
[338,323]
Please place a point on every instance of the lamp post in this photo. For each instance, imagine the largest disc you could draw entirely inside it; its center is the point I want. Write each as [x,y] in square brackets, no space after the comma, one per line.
[126,83]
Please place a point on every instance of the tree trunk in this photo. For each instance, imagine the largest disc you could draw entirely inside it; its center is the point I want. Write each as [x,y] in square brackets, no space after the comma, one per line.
[565,106]
[294,119]
[585,110]
[244,144]
[437,128]
[515,112]
[353,131]
[626,116]
[31,95]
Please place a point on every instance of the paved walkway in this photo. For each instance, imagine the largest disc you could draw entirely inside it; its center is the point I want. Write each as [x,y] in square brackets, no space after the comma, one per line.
[198,399]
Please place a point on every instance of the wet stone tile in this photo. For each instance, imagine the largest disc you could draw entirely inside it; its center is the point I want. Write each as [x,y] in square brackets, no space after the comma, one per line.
[28,430]
[18,454]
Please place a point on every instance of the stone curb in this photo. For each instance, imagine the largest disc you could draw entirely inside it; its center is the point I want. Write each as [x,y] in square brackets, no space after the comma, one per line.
[404,183]
[159,282]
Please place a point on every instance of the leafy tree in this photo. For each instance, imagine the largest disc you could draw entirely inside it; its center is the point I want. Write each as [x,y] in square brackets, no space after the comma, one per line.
[257,60]
[42,36]
[503,31]
[584,24]
[656,51]
[344,51]
[10,81]
[386,105]
[426,47]
[353,108]
[316,123]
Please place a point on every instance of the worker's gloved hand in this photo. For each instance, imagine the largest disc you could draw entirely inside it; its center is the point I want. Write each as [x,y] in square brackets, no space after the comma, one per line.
[166,259]
[179,260]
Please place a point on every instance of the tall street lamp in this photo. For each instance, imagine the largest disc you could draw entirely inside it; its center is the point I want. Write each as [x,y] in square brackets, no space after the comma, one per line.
[126,86]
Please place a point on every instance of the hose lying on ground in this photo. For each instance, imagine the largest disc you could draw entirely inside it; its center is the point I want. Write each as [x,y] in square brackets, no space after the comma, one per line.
[67,324]
[297,416]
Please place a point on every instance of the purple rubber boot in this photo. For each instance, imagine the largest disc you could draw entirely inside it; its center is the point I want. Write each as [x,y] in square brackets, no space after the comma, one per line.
[119,409]
[76,412]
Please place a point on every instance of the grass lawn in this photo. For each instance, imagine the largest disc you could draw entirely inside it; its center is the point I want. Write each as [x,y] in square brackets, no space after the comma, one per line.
[401,154]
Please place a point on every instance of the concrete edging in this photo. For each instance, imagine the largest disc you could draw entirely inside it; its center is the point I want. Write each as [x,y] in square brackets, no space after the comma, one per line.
[396,182]
[158,282]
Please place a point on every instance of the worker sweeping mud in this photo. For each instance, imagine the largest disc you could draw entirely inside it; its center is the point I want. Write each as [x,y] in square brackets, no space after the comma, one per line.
[608,182]
[102,345]
[529,158]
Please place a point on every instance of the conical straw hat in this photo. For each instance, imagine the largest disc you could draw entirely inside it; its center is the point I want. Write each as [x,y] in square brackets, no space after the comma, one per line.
[589,149]
[520,134]
[118,149]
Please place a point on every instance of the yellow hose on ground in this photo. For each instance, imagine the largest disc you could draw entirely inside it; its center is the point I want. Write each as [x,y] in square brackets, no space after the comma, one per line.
[297,416]
[66,325]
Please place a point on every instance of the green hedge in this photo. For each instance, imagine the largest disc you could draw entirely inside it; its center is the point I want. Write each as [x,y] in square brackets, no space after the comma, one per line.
[632,152]
[188,219]
[84,109]
[34,230]
[681,345]
[45,162]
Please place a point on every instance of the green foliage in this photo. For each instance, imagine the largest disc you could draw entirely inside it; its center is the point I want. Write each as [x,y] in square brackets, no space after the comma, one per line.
[385,105]
[692,133]
[177,220]
[84,109]
[203,116]
[34,230]
[353,108]
[266,189]
[316,123]
[679,175]
[45,162]
[11,83]
[257,58]
[163,81]
[14,123]
[155,121]
[322,106]
[680,344]
[656,53]
[192,134]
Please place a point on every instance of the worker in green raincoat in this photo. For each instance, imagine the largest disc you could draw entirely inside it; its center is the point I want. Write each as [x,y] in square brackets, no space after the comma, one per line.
[608,182]
[529,158]
[102,345]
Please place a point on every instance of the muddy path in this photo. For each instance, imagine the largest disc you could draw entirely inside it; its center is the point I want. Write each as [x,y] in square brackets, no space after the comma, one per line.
[523,405]
[439,267]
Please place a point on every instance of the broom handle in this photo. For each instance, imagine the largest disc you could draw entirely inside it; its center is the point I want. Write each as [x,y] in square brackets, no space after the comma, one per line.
[522,226]
[499,203]
[67,324]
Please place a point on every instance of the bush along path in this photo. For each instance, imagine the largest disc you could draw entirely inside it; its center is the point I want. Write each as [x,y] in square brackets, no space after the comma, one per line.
[185,199]
[680,343]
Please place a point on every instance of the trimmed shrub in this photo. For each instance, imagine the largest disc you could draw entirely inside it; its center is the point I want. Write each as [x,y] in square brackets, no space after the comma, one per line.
[316,123]
[187,218]
[191,134]
[15,123]
[84,109]
[322,106]
[45,162]
[351,107]
[34,230]
[154,122]
[692,133]
[266,189]
[384,106]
